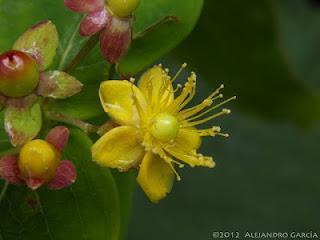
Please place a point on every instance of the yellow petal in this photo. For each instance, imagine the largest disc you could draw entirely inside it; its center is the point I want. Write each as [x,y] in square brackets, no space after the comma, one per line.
[155,177]
[119,148]
[117,99]
[156,86]
[188,139]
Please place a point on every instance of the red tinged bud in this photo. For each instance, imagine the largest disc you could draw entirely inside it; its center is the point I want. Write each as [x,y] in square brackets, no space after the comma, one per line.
[84,5]
[116,38]
[94,22]
[19,74]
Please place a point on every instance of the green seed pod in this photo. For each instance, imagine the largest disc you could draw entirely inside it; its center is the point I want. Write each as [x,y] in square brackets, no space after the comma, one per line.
[122,8]
[19,74]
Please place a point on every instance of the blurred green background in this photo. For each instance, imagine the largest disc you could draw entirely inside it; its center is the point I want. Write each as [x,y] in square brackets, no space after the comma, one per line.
[268,54]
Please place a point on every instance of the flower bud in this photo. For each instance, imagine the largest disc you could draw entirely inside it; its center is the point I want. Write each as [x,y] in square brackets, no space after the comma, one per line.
[38,159]
[122,8]
[19,74]
[116,38]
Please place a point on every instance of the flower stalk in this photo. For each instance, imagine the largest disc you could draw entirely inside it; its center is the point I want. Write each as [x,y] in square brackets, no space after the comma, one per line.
[84,126]
[84,51]
[4,190]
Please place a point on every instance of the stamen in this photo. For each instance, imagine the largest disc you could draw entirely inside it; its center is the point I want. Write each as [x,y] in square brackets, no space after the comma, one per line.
[223,134]
[169,160]
[183,66]
[213,108]
[191,158]
[217,91]
[209,132]
[196,109]
[186,95]
[223,112]
[178,87]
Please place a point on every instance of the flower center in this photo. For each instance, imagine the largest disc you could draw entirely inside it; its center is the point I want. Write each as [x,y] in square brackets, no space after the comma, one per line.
[165,127]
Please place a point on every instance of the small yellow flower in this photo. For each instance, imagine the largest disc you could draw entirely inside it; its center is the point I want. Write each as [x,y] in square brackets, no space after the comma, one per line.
[156,128]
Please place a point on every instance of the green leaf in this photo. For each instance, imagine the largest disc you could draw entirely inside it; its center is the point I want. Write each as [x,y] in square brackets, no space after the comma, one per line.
[23,119]
[89,209]
[235,44]
[295,17]
[41,41]
[125,183]
[158,42]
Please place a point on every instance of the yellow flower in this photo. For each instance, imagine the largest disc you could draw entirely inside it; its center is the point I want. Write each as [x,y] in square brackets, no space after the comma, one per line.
[156,129]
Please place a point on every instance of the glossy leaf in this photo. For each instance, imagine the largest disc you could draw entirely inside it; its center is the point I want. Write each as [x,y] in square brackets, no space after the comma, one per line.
[235,44]
[294,17]
[158,42]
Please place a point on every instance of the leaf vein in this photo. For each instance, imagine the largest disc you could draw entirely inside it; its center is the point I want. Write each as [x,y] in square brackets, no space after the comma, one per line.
[69,45]
[44,216]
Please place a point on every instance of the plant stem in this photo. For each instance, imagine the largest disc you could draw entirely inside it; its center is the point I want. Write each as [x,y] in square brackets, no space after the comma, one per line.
[4,190]
[86,127]
[155,25]
[84,51]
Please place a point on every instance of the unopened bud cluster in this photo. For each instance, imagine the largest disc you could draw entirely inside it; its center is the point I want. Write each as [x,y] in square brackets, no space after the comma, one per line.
[39,162]
[113,19]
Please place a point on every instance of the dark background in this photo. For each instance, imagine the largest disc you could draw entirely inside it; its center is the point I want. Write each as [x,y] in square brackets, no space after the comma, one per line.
[267,175]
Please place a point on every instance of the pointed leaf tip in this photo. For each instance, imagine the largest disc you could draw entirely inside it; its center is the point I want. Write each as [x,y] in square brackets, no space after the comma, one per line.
[58,85]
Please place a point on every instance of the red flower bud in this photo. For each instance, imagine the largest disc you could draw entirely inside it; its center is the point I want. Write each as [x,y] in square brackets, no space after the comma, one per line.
[116,38]
[19,74]
[94,22]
